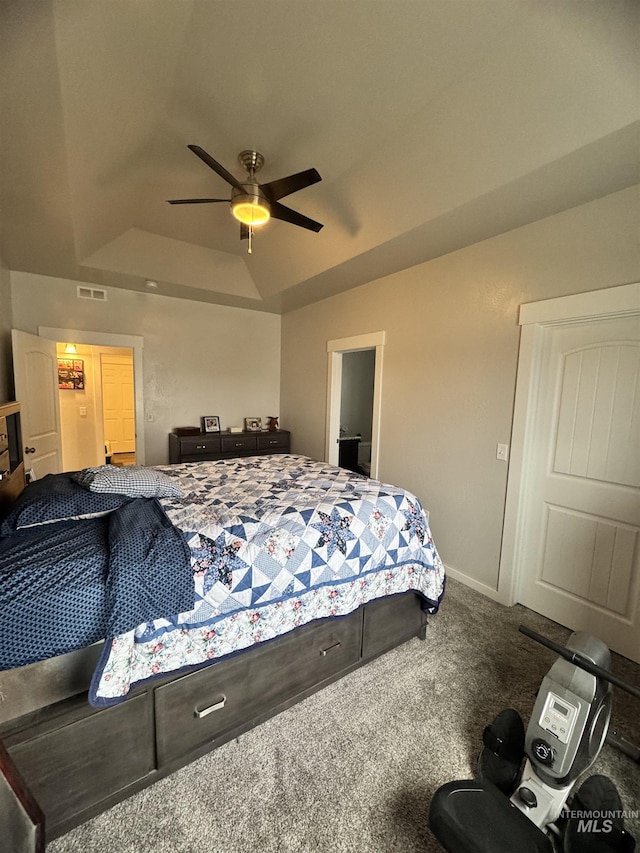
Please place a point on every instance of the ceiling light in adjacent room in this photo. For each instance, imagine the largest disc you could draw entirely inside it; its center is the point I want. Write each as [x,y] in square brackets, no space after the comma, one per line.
[71,349]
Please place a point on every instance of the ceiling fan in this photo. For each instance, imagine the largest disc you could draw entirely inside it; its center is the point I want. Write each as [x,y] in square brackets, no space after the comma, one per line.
[252,203]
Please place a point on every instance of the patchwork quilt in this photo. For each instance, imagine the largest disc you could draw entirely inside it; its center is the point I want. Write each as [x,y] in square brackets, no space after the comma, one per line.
[276,542]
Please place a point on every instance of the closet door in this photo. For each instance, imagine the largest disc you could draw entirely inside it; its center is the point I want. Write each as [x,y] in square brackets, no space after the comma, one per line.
[581,563]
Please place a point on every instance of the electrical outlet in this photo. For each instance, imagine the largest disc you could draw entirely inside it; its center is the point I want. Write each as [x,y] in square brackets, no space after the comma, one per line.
[502,452]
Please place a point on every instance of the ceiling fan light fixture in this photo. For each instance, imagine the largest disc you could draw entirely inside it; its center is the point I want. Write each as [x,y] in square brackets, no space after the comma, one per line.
[254,204]
[250,210]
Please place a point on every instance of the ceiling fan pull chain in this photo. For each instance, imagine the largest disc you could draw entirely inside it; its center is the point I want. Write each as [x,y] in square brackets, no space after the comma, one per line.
[250,238]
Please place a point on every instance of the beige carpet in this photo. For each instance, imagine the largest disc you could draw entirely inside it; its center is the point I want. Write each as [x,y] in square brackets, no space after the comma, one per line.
[352,769]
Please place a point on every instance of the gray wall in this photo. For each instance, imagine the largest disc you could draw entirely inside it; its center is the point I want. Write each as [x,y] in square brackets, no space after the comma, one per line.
[199,359]
[450,362]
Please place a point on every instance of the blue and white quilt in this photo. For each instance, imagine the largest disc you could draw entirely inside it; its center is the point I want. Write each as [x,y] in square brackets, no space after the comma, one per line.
[276,542]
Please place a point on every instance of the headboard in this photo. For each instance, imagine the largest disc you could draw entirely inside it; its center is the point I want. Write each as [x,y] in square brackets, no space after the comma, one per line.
[12,480]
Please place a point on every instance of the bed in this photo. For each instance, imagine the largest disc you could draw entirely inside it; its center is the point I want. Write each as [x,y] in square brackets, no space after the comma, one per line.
[174,612]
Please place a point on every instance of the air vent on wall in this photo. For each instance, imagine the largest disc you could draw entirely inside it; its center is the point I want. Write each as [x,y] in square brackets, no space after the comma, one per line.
[92,293]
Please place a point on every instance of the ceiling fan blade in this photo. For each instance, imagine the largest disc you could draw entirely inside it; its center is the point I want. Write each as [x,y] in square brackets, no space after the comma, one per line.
[195,200]
[291,184]
[213,164]
[279,211]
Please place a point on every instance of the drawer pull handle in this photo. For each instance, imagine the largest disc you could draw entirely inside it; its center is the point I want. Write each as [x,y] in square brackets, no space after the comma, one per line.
[4,475]
[3,436]
[325,652]
[201,446]
[206,711]
[239,444]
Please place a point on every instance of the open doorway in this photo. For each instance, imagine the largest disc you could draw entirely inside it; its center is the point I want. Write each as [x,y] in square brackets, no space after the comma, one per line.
[97,405]
[113,344]
[38,377]
[338,350]
[356,410]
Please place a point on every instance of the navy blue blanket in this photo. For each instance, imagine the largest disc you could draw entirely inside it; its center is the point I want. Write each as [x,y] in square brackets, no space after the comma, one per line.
[52,590]
[150,574]
[66,585]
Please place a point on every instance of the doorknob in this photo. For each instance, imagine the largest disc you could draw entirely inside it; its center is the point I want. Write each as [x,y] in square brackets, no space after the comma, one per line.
[29,450]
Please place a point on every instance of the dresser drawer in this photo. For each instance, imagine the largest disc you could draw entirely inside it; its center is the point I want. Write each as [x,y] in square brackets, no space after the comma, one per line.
[72,764]
[389,618]
[198,446]
[198,708]
[239,443]
[273,441]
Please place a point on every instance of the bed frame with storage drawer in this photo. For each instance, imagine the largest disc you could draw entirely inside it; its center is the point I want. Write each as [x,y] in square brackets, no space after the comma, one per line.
[79,761]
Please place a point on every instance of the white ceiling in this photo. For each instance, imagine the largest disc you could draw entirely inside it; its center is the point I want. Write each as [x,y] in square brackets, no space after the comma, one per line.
[434,124]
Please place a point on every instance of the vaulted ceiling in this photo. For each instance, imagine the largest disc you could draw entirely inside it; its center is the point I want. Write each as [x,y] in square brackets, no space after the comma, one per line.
[433,123]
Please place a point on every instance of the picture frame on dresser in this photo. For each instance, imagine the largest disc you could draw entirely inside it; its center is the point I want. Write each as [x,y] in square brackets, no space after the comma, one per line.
[210,423]
[252,424]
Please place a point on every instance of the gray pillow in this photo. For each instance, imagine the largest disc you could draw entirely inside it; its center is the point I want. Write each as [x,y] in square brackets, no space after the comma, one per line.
[136,481]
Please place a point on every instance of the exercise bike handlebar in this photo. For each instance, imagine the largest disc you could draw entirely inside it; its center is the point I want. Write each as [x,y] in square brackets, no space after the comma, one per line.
[581,661]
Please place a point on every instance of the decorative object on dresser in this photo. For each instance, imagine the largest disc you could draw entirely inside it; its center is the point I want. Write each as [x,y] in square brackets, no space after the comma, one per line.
[209,447]
[252,424]
[210,423]
[273,423]
[187,430]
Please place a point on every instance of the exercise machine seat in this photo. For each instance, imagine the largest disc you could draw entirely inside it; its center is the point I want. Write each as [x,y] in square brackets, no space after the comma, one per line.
[476,817]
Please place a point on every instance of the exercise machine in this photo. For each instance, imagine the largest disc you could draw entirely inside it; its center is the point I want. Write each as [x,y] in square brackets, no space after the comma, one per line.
[518,803]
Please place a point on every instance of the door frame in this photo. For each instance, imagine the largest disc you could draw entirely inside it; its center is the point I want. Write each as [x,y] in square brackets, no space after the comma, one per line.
[335,350]
[108,339]
[534,319]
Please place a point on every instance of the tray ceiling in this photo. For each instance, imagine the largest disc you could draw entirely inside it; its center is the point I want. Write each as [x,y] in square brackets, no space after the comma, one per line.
[434,125]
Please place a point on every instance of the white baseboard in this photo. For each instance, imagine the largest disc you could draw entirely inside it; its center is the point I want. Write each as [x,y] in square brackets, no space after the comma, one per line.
[491,593]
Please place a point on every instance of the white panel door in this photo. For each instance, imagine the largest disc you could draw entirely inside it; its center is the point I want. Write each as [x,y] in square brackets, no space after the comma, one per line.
[35,369]
[581,561]
[118,402]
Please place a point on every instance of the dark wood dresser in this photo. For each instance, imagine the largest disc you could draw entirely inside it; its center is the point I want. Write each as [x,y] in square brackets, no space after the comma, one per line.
[225,445]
